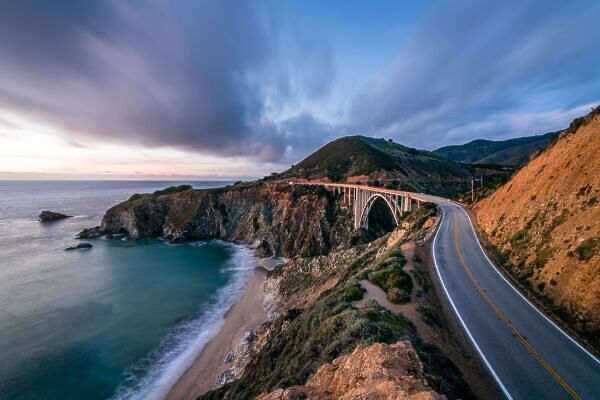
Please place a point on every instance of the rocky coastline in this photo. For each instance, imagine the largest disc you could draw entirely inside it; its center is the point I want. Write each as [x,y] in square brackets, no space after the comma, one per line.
[277,219]
[306,302]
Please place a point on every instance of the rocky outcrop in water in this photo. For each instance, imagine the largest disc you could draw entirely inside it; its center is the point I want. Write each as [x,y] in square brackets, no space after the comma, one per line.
[279,219]
[51,216]
[79,246]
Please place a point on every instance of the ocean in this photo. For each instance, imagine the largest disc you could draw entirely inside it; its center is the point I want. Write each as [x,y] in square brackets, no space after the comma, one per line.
[122,320]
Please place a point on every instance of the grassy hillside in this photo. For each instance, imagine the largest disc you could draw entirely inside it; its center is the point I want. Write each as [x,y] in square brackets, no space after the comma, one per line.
[382,162]
[513,152]
[545,224]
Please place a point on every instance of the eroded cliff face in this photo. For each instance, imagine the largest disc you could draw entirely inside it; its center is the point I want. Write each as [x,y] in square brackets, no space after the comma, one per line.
[546,223]
[380,371]
[280,219]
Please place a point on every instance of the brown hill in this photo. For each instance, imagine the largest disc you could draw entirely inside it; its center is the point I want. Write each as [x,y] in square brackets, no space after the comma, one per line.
[545,223]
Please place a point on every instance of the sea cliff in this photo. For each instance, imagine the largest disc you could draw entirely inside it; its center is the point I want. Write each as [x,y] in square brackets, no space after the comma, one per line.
[278,218]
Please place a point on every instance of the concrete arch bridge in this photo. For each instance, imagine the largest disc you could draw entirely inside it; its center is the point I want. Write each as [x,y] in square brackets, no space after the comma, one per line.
[362,198]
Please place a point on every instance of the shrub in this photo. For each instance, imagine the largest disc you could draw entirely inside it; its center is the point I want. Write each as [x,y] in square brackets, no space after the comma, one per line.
[398,296]
[134,197]
[587,249]
[173,189]
[430,317]
[395,282]
[520,235]
[543,256]
[353,293]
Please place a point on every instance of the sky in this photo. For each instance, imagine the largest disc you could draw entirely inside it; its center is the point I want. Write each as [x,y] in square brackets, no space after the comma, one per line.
[211,89]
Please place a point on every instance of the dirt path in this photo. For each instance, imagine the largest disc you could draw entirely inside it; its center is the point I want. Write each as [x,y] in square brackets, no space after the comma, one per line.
[409,310]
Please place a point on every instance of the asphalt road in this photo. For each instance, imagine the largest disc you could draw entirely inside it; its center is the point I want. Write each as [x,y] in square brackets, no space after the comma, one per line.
[528,356]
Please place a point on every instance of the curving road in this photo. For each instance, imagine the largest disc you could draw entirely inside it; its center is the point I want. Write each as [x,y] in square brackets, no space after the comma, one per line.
[527,354]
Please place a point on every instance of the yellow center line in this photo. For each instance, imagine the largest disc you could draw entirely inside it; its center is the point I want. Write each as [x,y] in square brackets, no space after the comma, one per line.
[506,322]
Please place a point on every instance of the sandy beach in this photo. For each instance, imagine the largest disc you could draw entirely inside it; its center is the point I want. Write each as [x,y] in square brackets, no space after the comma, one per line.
[247,314]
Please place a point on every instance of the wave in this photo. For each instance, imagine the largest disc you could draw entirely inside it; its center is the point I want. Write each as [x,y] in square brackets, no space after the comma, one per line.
[154,375]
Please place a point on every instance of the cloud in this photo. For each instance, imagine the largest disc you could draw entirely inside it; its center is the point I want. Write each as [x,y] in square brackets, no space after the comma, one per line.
[469,64]
[191,75]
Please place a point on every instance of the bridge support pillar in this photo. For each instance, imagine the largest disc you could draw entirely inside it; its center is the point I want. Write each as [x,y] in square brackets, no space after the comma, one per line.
[407,204]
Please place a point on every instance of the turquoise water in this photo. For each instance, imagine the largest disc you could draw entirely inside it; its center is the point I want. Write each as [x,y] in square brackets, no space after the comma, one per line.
[121,320]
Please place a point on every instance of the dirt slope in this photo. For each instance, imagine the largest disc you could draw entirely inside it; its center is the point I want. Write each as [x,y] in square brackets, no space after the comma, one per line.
[546,224]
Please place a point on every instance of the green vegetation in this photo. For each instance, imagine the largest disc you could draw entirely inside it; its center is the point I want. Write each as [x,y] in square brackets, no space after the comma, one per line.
[388,275]
[521,235]
[134,197]
[303,340]
[429,316]
[543,256]
[587,249]
[354,292]
[582,121]
[172,189]
[327,329]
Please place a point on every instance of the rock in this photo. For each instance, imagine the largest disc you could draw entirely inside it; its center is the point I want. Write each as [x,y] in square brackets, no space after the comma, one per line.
[226,376]
[80,246]
[380,371]
[90,233]
[50,216]
[229,357]
[428,224]
[264,249]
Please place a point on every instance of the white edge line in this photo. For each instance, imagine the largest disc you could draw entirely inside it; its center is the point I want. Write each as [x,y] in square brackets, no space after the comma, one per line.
[462,322]
[522,296]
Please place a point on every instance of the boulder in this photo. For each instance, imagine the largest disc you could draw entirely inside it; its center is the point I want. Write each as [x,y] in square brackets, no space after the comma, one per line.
[90,233]
[80,246]
[50,216]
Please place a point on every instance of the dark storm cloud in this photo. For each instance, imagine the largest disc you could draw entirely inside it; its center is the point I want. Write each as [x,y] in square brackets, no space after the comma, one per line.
[186,74]
[474,69]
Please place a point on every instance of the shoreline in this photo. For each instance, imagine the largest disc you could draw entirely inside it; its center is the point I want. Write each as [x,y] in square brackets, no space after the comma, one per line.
[247,314]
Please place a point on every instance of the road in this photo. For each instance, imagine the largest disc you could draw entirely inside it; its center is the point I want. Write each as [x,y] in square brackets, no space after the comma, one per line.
[528,356]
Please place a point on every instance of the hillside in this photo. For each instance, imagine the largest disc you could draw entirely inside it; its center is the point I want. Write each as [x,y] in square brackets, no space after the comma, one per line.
[545,223]
[513,152]
[379,161]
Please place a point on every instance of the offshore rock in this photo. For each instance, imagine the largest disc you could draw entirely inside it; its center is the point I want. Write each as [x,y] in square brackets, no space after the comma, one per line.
[90,233]
[51,216]
[79,246]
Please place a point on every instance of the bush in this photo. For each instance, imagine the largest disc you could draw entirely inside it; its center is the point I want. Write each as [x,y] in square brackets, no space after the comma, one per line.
[587,249]
[543,256]
[354,293]
[395,282]
[520,235]
[173,189]
[134,197]
[397,296]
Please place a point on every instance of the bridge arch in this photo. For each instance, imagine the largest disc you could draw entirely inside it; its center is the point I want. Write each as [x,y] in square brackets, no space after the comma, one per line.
[366,210]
